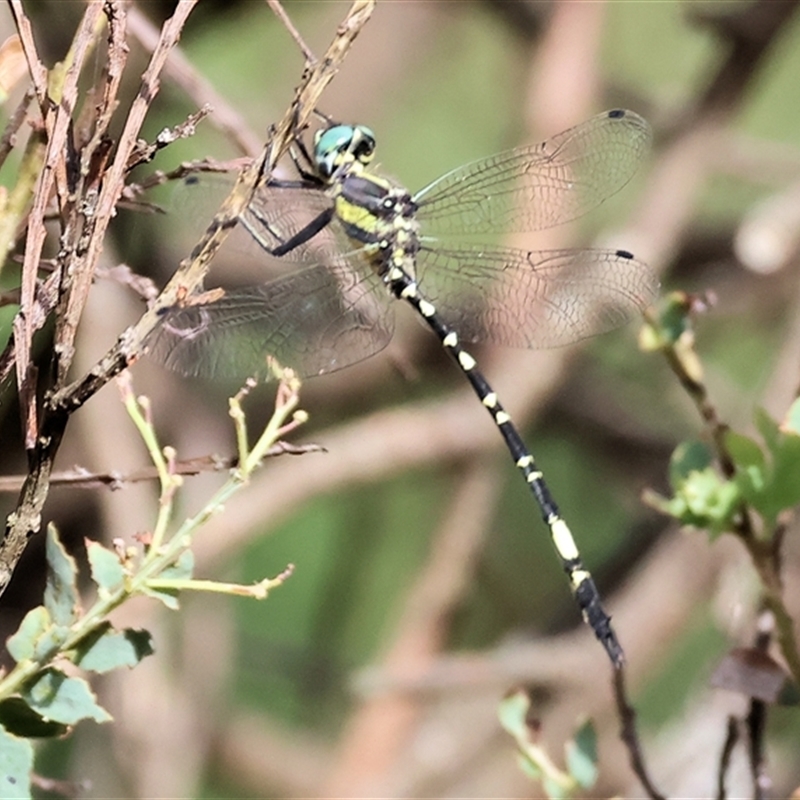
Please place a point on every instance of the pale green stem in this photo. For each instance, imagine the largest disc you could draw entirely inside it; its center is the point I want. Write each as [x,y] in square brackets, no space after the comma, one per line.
[549,770]
[258,590]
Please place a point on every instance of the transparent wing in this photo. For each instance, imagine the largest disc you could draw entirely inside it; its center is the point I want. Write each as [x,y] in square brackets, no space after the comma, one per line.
[277,213]
[317,320]
[539,186]
[535,299]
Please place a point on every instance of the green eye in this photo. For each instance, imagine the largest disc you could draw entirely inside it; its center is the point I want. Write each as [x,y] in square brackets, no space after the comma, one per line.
[332,146]
[333,141]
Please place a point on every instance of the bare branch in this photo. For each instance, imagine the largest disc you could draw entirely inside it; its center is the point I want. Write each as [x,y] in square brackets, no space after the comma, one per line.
[26,520]
[277,9]
[181,71]
[84,479]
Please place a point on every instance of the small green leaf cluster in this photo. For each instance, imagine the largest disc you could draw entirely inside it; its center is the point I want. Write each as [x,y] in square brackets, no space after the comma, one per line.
[739,484]
[38,698]
[765,477]
[580,752]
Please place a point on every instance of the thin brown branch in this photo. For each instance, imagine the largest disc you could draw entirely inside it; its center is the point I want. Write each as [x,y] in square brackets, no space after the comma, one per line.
[627,716]
[683,360]
[117,16]
[57,124]
[277,9]
[145,152]
[756,723]
[133,191]
[731,738]
[45,302]
[84,479]
[113,182]
[125,276]
[181,72]
[36,68]
[43,446]
[27,518]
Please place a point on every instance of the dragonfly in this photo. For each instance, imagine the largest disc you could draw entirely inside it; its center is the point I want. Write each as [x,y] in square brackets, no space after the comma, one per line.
[356,240]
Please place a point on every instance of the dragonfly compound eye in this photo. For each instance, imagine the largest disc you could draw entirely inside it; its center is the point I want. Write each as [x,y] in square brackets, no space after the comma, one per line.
[363,144]
[332,147]
[341,145]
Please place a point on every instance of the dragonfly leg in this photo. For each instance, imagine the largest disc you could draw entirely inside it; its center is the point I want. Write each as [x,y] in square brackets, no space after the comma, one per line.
[305,234]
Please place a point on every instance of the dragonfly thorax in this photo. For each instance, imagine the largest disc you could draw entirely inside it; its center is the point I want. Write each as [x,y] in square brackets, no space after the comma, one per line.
[377,215]
[380,217]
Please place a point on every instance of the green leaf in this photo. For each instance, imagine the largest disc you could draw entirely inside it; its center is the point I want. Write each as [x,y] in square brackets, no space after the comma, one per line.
[61,593]
[50,642]
[769,483]
[17,717]
[22,644]
[581,755]
[169,597]
[107,571]
[108,649]
[784,489]
[182,569]
[555,790]
[688,457]
[745,452]
[674,319]
[768,428]
[16,764]
[513,714]
[61,699]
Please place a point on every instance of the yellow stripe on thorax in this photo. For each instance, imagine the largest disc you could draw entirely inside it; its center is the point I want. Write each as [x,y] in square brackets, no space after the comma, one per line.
[355,215]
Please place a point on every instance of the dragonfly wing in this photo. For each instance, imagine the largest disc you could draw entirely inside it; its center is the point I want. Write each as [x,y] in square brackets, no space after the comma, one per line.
[275,214]
[536,187]
[535,299]
[317,320]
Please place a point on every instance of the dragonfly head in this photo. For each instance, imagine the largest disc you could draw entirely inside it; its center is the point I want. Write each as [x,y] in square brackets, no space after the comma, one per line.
[343,148]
